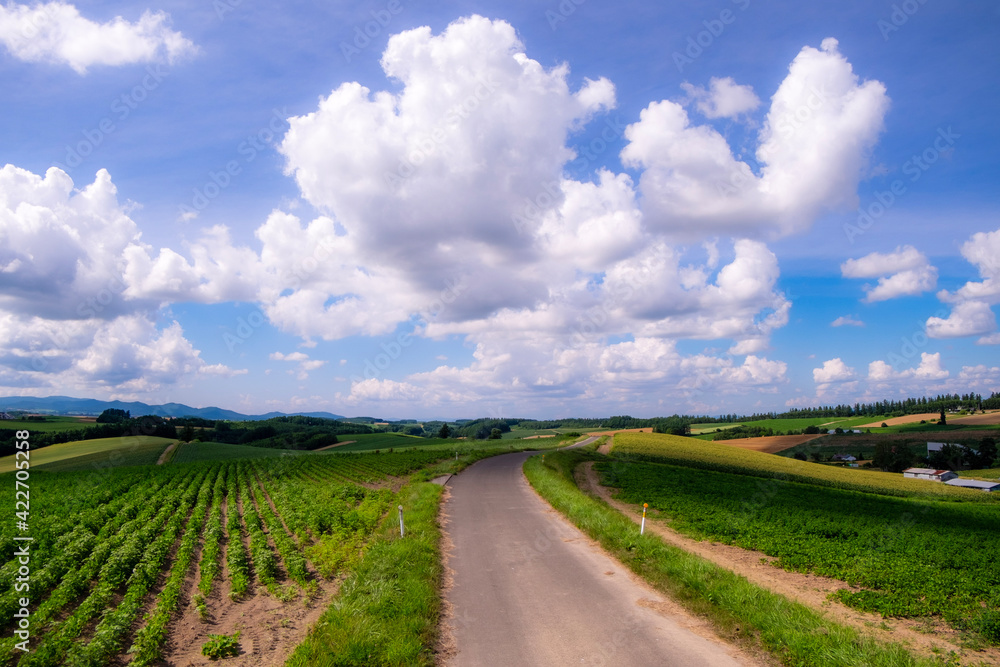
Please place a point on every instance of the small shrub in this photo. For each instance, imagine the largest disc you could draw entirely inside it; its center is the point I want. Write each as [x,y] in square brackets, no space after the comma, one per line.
[884,425]
[221,646]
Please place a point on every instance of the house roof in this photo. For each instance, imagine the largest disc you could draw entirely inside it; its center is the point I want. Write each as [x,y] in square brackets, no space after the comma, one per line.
[925,471]
[973,483]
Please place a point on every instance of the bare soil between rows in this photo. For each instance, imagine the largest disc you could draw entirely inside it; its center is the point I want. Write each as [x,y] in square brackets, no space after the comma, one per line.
[928,638]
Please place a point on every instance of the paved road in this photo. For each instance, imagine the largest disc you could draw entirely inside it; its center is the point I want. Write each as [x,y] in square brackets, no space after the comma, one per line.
[531,589]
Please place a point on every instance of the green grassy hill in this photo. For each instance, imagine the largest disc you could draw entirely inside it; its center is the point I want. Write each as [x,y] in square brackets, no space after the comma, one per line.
[129,450]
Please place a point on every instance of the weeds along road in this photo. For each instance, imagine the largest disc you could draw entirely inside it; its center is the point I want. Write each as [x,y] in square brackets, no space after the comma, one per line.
[528,588]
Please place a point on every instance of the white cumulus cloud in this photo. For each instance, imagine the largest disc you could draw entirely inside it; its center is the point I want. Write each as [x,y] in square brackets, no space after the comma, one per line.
[904,272]
[847,321]
[972,312]
[724,98]
[813,148]
[56,32]
[834,370]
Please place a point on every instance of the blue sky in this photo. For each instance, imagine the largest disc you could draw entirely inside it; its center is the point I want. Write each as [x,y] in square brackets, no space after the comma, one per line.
[517,209]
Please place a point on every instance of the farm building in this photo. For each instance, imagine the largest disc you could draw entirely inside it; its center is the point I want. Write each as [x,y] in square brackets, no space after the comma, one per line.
[988,487]
[938,446]
[929,473]
[4,415]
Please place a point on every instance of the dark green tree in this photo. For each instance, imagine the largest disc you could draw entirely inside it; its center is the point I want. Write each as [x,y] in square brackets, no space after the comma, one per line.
[892,458]
[987,453]
[187,433]
[944,420]
[444,432]
[496,434]
[113,416]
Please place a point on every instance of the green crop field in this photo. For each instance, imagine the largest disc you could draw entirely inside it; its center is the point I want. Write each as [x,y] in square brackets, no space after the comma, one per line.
[50,424]
[372,441]
[698,429]
[906,557]
[516,433]
[114,551]
[188,452]
[705,431]
[397,441]
[125,450]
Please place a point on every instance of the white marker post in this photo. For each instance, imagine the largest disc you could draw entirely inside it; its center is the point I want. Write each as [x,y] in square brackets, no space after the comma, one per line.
[402,530]
[642,528]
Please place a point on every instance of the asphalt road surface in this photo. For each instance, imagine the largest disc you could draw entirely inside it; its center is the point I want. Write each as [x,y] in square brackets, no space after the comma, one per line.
[530,589]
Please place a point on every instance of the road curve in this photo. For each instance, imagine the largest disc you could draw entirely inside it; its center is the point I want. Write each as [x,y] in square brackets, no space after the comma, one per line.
[528,588]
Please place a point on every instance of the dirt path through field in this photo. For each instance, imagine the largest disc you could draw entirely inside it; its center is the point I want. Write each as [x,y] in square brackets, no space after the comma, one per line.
[167,452]
[528,588]
[336,444]
[807,589]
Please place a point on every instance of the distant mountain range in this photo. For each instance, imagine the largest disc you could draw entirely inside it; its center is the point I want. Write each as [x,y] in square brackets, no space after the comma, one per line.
[65,405]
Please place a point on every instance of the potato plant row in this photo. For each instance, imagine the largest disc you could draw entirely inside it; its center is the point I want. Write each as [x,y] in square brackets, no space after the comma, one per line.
[115,563]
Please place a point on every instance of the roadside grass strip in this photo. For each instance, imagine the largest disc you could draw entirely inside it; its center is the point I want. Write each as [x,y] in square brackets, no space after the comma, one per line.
[792,632]
[388,608]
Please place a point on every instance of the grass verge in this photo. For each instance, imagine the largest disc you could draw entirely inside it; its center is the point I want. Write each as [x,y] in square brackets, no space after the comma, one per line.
[388,608]
[792,632]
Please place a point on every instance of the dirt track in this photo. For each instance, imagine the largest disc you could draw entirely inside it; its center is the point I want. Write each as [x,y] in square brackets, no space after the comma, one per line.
[528,588]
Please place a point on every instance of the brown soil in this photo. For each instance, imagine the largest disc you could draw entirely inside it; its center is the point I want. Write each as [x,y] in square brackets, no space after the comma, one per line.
[972,420]
[166,453]
[269,628]
[905,419]
[536,437]
[926,638]
[770,444]
[336,444]
[446,647]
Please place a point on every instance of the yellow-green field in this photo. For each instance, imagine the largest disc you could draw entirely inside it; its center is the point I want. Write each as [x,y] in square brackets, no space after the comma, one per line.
[714,456]
[126,450]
